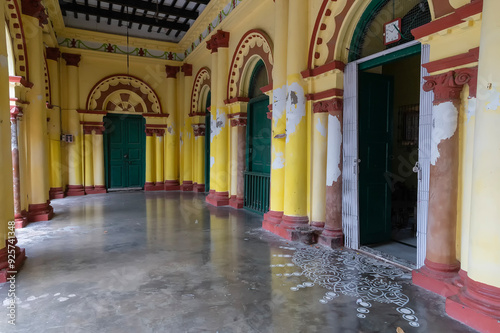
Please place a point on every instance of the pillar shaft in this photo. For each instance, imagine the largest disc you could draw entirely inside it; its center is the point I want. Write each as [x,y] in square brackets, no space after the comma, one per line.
[150,161]
[20,220]
[221,127]
[89,162]
[238,161]
[54,125]
[98,144]
[200,161]
[172,139]
[39,208]
[318,209]
[295,206]
[188,137]
[277,192]
[159,158]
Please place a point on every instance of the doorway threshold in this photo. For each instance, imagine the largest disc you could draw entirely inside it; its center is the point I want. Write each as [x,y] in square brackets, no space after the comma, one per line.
[401,263]
[124,189]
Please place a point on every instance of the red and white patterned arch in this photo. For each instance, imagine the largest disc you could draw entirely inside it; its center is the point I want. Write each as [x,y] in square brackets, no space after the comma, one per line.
[16,31]
[128,93]
[201,80]
[253,43]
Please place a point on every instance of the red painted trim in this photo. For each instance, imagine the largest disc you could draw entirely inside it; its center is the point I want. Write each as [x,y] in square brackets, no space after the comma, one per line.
[235,202]
[187,186]
[20,257]
[172,185]
[237,99]
[91,123]
[323,69]
[71,59]
[74,190]
[156,115]
[267,88]
[317,224]
[218,199]
[237,115]
[40,212]
[481,297]
[172,71]
[459,60]
[156,126]
[199,188]
[325,94]
[20,80]
[319,19]
[292,222]
[273,217]
[449,21]
[56,193]
[471,317]
[197,86]
[187,69]
[92,112]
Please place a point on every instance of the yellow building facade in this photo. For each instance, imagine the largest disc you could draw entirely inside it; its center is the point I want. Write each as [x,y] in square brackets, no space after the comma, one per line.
[340,122]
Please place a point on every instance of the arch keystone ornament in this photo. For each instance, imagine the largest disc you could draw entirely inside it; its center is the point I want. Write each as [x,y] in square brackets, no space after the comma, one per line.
[440,271]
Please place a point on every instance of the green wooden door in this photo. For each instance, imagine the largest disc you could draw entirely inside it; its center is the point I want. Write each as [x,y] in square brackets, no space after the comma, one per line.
[375,145]
[207,144]
[125,150]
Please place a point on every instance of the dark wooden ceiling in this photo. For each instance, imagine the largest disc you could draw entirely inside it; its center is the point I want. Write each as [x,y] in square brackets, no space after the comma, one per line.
[162,19]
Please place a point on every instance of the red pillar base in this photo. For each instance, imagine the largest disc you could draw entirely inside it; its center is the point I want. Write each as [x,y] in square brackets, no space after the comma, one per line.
[199,188]
[56,193]
[439,278]
[477,305]
[331,238]
[187,186]
[149,187]
[319,225]
[40,212]
[172,185]
[98,189]
[236,202]
[21,221]
[75,190]
[218,199]
[6,270]
[272,218]
[303,235]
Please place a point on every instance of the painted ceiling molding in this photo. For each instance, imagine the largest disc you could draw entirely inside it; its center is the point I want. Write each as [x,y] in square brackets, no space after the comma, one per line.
[253,43]
[123,93]
[14,23]
[326,31]
[201,80]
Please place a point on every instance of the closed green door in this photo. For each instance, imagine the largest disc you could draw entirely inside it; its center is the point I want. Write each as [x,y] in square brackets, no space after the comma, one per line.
[259,136]
[125,151]
[375,145]
[207,144]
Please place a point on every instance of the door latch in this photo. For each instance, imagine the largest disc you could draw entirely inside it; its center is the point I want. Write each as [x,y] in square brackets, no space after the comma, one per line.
[418,170]
[356,166]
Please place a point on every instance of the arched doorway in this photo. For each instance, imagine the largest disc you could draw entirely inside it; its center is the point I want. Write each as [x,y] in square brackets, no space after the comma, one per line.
[382,89]
[258,149]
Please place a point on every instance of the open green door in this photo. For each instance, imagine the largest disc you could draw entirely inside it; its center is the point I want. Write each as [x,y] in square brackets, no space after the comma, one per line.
[207,144]
[125,151]
[375,146]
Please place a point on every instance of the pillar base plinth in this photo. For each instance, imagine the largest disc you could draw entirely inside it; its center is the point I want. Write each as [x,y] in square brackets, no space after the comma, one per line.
[236,202]
[304,235]
[272,217]
[20,221]
[199,188]
[20,257]
[317,224]
[187,186]
[293,222]
[75,190]
[149,187]
[331,238]
[438,278]
[218,199]
[98,189]
[477,305]
[40,212]
[172,185]
[56,193]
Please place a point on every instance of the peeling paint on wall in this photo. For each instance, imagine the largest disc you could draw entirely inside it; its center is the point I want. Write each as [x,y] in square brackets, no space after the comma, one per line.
[279,103]
[212,161]
[493,100]
[3,61]
[213,122]
[279,161]
[217,124]
[444,125]
[334,150]
[321,128]
[471,108]
[295,108]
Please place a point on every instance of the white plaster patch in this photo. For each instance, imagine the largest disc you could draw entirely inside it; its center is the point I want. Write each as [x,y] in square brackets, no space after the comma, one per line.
[295,108]
[62,299]
[212,128]
[471,108]
[279,103]
[212,161]
[321,127]
[4,62]
[444,125]
[493,100]
[333,151]
[39,97]
[279,161]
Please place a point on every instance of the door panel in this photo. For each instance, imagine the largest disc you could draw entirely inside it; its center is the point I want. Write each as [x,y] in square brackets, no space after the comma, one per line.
[259,138]
[375,145]
[125,137]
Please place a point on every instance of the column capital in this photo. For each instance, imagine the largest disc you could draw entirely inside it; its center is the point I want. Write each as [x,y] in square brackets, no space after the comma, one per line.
[187,69]
[172,71]
[240,122]
[15,112]
[332,106]
[448,86]
[34,8]
[219,39]
[72,59]
[53,53]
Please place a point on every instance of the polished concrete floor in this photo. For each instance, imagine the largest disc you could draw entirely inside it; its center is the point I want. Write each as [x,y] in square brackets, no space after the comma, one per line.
[166,262]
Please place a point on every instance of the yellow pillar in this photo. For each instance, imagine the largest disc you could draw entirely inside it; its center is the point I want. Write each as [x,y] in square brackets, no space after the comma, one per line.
[319,130]
[150,161]
[172,142]
[98,144]
[277,195]
[74,149]
[159,157]
[56,190]
[212,46]
[220,130]
[39,208]
[295,207]
[188,135]
[88,158]
[200,156]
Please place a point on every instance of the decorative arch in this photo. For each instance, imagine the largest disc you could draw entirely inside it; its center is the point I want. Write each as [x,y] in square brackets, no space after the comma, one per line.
[123,93]
[253,46]
[201,87]
[17,37]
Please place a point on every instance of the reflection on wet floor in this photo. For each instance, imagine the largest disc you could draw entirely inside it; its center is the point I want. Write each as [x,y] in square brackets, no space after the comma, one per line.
[168,262]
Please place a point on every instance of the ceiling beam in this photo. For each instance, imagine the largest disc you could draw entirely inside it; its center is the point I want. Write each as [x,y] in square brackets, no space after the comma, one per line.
[152,7]
[109,14]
